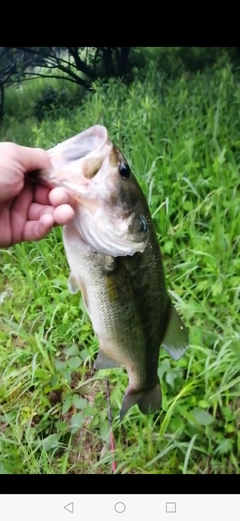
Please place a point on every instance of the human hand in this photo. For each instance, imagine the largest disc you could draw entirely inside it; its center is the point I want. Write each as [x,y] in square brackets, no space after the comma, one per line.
[28,211]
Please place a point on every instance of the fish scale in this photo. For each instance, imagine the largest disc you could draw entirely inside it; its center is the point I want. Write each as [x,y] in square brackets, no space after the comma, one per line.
[110,302]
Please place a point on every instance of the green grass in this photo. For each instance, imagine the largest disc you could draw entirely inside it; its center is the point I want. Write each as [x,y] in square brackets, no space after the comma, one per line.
[182,140]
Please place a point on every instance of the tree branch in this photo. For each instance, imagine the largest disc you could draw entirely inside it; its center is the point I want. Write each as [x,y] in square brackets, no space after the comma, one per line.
[80,64]
[34,76]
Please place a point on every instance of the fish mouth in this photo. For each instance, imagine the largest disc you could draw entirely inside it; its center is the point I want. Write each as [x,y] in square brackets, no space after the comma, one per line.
[89,142]
[76,161]
[81,165]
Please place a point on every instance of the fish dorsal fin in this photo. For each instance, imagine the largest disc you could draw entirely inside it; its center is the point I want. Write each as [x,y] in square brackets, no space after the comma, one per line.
[176,339]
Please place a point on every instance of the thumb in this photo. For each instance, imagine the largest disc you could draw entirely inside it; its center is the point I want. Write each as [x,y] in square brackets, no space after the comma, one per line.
[33,158]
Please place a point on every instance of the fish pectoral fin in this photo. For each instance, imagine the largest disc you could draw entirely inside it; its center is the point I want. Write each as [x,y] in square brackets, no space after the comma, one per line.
[149,401]
[104,362]
[176,339]
[73,285]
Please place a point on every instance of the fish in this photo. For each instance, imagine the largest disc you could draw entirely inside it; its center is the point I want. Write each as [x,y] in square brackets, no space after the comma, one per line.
[115,262]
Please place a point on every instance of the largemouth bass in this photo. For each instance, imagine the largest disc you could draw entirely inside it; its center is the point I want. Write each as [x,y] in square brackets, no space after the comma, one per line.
[115,261]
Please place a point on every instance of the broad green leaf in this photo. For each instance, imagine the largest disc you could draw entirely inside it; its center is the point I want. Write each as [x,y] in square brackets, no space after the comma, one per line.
[51,441]
[170,377]
[71,351]
[76,421]
[202,417]
[74,362]
[60,365]
[79,403]
[67,404]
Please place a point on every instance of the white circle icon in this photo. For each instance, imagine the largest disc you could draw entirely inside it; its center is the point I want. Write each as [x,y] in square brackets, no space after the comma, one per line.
[120,508]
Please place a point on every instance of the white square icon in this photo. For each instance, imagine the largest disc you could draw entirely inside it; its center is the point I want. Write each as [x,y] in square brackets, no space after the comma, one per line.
[171,508]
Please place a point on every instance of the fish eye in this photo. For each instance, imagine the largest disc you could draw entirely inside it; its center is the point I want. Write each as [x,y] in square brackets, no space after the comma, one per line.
[124,170]
[143,224]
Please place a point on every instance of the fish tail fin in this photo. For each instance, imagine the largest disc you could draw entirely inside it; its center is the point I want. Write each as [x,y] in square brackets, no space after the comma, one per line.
[176,339]
[149,401]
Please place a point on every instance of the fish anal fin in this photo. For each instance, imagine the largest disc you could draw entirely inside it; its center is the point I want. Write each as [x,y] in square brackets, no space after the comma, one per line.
[103,361]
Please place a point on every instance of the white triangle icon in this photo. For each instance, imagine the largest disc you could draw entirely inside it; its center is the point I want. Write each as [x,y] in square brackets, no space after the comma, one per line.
[69,507]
